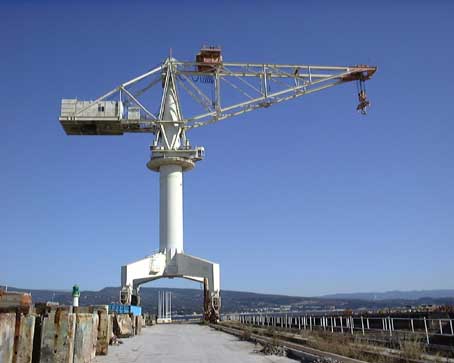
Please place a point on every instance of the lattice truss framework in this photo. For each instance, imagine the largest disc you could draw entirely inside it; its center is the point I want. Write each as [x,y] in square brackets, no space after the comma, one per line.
[208,93]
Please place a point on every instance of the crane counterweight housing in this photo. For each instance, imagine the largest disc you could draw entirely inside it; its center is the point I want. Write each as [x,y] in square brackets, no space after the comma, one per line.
[152,103]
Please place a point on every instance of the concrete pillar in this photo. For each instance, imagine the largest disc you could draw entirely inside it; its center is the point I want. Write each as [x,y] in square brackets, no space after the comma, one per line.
[86,332]
[23,347]
[123,327]
[57,337]
[104,332]
[7,328]
[138,324]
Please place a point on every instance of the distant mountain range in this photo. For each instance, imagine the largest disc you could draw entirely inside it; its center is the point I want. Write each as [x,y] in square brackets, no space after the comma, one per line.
[189,301]
[393,295]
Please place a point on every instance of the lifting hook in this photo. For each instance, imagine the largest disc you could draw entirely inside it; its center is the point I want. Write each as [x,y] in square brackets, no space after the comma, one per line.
[364,103]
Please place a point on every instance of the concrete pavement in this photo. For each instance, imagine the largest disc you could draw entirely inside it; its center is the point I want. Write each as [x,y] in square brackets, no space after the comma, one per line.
[188,343]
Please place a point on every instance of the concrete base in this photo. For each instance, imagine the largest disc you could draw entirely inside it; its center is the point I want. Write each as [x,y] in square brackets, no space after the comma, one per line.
[138,325]
[163,321]
[168,264]
[25,329]
[104,331]
[57,337]
[7,328]
[85,337]
[111,327]
[123,327]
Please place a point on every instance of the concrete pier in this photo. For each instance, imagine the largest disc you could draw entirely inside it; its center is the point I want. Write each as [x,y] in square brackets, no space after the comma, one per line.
[185,343]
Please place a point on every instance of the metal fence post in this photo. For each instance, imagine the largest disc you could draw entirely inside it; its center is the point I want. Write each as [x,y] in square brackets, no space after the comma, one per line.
[342,326]
[427,331]
[362,324]
[412,325]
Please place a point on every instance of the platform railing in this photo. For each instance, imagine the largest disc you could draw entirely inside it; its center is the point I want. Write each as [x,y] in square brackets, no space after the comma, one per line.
[351,324]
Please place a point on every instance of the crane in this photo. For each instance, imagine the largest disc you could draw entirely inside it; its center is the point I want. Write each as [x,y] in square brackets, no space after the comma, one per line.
[211,91]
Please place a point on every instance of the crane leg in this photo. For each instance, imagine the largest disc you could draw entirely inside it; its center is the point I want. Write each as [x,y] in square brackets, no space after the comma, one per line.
[162,265]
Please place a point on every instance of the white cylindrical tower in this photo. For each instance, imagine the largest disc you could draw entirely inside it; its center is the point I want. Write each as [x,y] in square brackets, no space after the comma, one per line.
[171,156]
[171,209]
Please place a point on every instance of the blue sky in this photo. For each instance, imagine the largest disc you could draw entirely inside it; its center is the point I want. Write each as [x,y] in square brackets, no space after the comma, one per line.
[306,197]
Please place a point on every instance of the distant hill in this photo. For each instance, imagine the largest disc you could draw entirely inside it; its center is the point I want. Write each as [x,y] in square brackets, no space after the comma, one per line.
[188,301]
[393,295]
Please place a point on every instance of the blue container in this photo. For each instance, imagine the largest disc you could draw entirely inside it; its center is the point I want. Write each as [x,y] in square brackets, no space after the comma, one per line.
[125,309]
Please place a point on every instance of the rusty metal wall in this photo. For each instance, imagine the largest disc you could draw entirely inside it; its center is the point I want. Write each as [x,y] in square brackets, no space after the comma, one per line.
[15,300]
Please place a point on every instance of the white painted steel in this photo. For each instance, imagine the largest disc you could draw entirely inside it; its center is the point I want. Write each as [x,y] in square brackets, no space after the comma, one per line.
[171,156]
[171,112]
[171,178]
[164,307]
[406,326]
[171,210]
[172,153]
[75,301]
